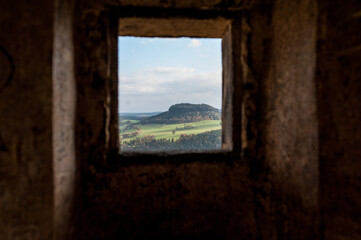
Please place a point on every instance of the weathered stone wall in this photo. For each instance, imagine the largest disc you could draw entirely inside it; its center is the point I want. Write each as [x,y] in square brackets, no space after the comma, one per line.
[269,193]
[57,180]
[170,201]
[339,98]
[26,171]
[204,198]
[283,62]
[64,105]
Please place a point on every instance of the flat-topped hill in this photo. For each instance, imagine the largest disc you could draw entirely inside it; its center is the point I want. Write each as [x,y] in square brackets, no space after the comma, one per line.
[185,113]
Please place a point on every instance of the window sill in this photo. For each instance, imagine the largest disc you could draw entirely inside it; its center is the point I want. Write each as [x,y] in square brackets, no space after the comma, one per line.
[174,157]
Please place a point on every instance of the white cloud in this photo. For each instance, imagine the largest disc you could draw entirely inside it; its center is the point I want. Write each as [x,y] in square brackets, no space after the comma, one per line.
[170,70]
[195,43]
[204,55]
[145,41]
[158,88]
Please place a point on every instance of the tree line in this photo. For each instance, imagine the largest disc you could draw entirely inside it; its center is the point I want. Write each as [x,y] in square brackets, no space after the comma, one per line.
[210,140]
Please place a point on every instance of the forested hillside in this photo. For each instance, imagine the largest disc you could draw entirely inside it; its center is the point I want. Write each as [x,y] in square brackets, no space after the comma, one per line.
[185,113]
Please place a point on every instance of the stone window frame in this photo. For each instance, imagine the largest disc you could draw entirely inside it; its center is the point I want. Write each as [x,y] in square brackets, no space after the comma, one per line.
[160,22]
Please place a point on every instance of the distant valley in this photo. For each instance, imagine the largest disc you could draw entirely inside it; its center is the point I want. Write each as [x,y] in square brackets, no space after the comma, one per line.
[184,126]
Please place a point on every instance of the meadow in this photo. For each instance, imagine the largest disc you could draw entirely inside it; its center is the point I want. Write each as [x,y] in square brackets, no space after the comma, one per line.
[172,131]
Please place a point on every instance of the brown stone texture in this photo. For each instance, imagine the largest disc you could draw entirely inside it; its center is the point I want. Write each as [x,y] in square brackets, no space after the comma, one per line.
[64,99]
[339,117]
[283,54]
[279,165]
[146,27]
[26,172]
[162,197]
[167,201]
[200,4]
[293,74]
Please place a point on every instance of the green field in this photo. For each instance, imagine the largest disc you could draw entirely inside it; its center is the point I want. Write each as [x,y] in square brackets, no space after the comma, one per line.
[132,121]
[166,130]
[122,124]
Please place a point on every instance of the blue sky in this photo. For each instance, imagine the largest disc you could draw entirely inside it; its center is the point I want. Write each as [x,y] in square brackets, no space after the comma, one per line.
[155,73]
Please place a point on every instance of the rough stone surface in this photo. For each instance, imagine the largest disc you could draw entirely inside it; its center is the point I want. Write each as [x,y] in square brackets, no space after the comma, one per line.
[64,96]
[177,27]
[283,62]
[200,4]
[197,200]
[186,201]
[295,175]
[26,172]
[279,182]
[339,116]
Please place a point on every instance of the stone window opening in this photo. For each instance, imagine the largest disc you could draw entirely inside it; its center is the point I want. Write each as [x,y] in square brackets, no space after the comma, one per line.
[175,23]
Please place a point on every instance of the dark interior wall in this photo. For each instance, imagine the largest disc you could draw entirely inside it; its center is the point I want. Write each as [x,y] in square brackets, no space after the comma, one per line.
[170,201]
[290,144]
[282,60]
[64,105]
[206,199]
[339,87]
[270,193]
[26,173]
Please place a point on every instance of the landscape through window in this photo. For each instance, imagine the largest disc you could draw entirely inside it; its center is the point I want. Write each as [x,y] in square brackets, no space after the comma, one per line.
[170,94]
